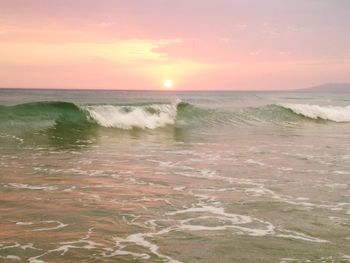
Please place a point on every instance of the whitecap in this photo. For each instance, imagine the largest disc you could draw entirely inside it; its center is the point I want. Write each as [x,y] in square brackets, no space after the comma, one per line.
[129,117]
[331,113]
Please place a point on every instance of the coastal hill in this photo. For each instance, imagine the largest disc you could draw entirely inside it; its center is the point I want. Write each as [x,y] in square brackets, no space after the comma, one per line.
[329,87]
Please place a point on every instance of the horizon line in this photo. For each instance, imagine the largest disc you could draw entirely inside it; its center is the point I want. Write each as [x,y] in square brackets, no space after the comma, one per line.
[156,90]
[305,89]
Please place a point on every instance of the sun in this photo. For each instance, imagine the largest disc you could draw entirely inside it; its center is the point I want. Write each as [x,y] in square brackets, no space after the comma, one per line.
[168,84]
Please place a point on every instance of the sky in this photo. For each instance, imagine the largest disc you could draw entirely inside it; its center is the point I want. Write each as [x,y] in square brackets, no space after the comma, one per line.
[197,44]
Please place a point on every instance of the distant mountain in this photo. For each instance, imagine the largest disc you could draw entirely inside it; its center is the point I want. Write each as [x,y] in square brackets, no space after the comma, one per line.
[329,87]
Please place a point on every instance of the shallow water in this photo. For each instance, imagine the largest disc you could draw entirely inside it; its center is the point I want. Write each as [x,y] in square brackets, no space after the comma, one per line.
[234,178]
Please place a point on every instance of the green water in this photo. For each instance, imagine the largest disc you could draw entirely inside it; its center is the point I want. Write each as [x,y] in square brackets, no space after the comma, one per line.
[174,177]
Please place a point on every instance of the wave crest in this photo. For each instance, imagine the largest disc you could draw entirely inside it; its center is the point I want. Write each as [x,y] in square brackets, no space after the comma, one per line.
[330,113]
[69,116]
[128,117]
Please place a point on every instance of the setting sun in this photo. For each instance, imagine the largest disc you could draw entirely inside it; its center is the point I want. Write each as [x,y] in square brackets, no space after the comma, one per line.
[168,84]
[152,127]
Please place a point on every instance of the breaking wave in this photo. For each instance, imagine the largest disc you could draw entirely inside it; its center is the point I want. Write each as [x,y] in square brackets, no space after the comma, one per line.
[128,117]
[47,114]
[330,113]
[41,115]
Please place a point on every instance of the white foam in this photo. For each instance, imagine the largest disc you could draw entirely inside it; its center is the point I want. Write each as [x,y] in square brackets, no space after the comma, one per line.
[235,218]
[128,117]
[225,221]
[341,172]
[285,260]
[251,161]
[11,257]
[32,187]
[24,223]
[139,239]
[300,236]
[59,225]
[64,247]
[331,113]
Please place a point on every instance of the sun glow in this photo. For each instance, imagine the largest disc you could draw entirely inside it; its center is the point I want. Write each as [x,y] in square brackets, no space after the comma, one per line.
[168,84]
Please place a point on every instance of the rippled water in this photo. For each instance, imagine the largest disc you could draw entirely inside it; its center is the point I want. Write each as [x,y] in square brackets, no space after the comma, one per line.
[234,178]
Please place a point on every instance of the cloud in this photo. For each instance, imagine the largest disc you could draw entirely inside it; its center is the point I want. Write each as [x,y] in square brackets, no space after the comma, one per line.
[240,27]
[105,24]
[124,51]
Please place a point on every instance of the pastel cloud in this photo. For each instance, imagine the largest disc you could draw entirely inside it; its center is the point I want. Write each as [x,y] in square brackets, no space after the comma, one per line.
[204,44]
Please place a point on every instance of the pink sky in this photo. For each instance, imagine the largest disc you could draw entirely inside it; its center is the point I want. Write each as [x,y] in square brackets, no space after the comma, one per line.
[199,44]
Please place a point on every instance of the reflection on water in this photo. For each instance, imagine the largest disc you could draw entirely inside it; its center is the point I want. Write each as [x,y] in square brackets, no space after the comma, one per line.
[68,135]
[168,195]
[236,178]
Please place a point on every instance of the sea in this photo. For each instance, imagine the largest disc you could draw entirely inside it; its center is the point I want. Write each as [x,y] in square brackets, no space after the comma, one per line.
[169,176]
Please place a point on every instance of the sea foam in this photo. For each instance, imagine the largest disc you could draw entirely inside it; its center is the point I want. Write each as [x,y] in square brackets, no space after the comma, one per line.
[331,113]
[127,117]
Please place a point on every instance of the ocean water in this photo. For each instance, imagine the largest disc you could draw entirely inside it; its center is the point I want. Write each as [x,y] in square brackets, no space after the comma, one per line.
[116,176]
